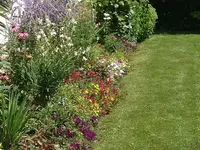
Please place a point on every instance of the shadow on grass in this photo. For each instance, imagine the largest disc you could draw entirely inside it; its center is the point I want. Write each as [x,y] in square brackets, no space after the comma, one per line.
[174,32]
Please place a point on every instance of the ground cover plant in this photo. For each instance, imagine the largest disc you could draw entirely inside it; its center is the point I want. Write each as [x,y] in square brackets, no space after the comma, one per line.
[58,78]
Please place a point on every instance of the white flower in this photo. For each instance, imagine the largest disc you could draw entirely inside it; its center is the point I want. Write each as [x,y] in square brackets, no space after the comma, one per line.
[75,53]
[106,18]
[68,38]
[48,21]
[40,21]
[88,49]
[56,50]
[3,48]
[122,71]
[61,36]
[74,21]
[62,28]
[53,32]
[81,69]
[38,37]
[106,14]
[70,44]
[84,58]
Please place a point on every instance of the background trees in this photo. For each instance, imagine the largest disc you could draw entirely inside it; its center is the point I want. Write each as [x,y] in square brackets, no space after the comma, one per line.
[177,14]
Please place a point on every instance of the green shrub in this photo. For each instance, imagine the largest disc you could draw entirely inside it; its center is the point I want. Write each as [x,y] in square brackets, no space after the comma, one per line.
[127,18]
[143,19]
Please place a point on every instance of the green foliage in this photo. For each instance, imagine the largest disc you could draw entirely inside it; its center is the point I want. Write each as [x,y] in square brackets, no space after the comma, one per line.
[195,14]
[125,18]
[112,44]
[143,19]
[14,117]
[177,15]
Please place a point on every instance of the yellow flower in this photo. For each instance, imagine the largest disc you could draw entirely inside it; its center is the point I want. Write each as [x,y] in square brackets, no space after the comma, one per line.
[86,91]
[96,105]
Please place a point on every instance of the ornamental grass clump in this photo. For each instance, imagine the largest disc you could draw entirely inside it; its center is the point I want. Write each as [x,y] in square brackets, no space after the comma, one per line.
[14,118]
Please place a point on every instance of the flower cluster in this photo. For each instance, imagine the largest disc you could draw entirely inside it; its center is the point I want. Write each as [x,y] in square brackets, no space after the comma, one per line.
[82,127]
[116,68]
[22,35]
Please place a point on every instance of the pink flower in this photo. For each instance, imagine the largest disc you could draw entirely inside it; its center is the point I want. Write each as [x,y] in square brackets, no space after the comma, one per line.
[4,77]
[20,35]
[26,34]
[14,27]
[4,57]
[23,35]
[97,25]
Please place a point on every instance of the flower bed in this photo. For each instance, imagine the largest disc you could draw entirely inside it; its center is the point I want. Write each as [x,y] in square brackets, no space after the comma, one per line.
[69,120]
[58,78]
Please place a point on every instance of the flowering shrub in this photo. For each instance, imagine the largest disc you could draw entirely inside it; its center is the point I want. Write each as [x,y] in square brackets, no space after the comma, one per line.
[43,56]
[133,19]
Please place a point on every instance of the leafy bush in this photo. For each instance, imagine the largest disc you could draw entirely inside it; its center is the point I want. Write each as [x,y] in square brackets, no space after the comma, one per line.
[143,19]
[130,19]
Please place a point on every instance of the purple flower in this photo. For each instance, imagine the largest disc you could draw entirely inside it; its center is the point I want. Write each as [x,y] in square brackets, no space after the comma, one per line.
[93,118]
[68,133]
[75,146]
[77,120]
[55,10]
[82,130]
[59,131]
[89,135]
[85,124]
[53,116]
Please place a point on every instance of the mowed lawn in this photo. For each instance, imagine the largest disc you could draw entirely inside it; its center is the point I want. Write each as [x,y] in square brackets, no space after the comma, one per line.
[162,108]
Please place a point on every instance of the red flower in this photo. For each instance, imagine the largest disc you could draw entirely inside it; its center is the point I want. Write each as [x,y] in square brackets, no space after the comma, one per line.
[75,75]
[67,80]
[59,131]
[91,74]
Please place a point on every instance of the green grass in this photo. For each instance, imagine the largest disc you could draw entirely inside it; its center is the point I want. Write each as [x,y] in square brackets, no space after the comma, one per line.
[162,108]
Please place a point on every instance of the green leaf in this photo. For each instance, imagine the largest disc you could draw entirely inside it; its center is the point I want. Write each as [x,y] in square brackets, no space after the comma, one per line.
[121,3]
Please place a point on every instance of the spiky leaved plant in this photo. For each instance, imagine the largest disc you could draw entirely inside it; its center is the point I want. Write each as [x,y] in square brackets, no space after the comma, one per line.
[14,117]
[4,9]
